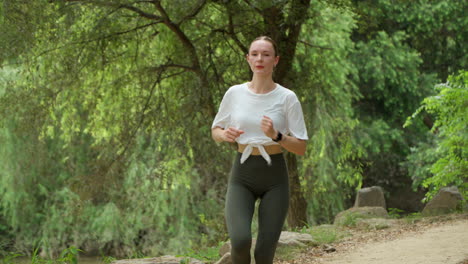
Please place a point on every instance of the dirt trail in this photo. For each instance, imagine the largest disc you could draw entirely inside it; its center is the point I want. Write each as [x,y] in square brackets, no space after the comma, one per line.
[447,244]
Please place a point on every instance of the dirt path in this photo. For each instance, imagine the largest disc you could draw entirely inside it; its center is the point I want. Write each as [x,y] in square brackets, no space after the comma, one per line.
[446,243]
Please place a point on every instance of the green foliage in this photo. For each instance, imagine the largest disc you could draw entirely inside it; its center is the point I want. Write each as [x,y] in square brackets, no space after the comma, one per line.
[403,48]
[449,107]
[97,181]
[391,83]
[288,253]
[67,256]
[436,29]
[108,259]
[395,212]
[326,234]
[413,218]
[350,219]
[327,95]
[208,254]
[10,258]
[388,69]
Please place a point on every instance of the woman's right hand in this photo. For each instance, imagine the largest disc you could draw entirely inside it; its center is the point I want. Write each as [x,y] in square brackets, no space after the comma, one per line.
[228,135]
[231,134]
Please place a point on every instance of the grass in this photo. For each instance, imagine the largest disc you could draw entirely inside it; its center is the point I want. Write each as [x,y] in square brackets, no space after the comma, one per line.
[412,218]
[288,253]
[67,256]
[395,213]
[326,234]
[350,219]
[209,254]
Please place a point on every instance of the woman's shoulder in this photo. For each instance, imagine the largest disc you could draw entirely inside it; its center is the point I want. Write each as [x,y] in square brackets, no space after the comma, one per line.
[239,87]
[236,88]
[286,92]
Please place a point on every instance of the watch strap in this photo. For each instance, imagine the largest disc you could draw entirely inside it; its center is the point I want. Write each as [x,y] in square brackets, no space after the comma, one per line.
[278,137]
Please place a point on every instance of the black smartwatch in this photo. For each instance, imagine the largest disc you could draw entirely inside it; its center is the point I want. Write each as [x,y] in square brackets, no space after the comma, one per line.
[278,137]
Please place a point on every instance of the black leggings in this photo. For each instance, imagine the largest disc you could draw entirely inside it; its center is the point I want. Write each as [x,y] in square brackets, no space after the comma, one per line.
[249,181]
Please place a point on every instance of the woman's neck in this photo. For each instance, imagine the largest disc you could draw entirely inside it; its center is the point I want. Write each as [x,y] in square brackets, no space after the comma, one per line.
[261,85]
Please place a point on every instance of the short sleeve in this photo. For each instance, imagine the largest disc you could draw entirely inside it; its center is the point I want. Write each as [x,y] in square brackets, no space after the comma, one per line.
[223,117]
[295,120]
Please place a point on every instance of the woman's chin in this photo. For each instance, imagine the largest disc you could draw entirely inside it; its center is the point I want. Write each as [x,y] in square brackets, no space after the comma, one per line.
[262,72]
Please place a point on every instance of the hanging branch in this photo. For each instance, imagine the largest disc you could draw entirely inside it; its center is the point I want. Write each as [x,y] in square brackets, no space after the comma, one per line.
[120,6]
[194,12]
[233,35]
[140,122]
[314,46]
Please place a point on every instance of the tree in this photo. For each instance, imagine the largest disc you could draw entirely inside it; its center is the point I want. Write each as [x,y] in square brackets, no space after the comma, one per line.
[449,167]
[403,48]
[122,95]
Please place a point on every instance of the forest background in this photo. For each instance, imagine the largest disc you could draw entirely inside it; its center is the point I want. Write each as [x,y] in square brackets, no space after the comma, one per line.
[106,108]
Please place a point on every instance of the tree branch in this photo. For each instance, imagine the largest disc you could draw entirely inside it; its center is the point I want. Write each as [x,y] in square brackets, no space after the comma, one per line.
[100,38]
[253,6]
[194,12]
[171,65]
[119,6]
[233,35]
[314,46]
[288,41]
[140,122]
[181,35]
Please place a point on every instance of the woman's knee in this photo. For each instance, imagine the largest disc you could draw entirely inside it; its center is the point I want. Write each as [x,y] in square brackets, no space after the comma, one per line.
[241,244]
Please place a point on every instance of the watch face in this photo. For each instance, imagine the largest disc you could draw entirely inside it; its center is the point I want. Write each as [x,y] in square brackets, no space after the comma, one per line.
[278,137]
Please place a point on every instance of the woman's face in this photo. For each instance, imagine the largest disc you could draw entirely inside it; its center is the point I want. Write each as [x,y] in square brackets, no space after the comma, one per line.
[261,57]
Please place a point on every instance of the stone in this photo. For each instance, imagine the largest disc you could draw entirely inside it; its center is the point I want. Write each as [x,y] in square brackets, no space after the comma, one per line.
[295,239]
[445,201]
[328,248]
[287,239]
[375,223]
[370,196]
[349,217]
[159,260]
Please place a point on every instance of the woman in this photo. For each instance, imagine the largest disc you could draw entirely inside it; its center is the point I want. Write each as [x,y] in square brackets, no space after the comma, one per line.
[263,118]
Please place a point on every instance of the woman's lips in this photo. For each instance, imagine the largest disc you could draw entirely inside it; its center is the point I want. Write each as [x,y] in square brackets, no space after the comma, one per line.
[259,67]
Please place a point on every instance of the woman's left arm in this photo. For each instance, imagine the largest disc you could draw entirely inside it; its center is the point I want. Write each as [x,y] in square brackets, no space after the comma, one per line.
[290,143]
[294,145]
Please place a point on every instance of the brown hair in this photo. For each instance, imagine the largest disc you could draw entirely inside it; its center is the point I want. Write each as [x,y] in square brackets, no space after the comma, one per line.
[266,38]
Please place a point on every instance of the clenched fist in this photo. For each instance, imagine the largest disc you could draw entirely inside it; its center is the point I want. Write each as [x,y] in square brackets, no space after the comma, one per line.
[268,128]
[231,134]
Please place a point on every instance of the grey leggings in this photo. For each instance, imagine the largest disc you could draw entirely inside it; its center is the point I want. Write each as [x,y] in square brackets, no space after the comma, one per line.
[249,181]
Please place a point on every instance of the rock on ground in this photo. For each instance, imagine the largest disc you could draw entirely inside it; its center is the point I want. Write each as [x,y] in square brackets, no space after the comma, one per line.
[370,196]
[159,260]
[350,216]
[445,201]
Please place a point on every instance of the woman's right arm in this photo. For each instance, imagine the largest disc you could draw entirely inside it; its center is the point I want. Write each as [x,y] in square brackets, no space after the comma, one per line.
[229,135]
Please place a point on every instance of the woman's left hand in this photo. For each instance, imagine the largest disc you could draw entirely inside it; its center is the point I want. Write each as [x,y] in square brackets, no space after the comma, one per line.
[268,128]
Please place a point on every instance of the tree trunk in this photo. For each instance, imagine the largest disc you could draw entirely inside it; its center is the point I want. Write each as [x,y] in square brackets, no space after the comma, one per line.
[297,215]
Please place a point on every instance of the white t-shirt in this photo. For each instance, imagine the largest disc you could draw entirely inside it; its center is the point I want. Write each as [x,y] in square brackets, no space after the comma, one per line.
[243,109]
